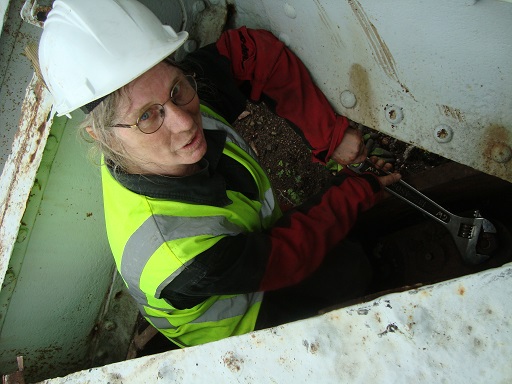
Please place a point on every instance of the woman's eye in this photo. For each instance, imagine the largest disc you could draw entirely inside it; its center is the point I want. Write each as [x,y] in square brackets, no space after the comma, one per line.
[146,115]
[176,90]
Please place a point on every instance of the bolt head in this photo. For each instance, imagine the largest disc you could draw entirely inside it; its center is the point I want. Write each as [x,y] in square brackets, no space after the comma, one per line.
[501,153]
[348,99]
[290,11]
[285,39]
[443,133]
[394,114]
[109,325]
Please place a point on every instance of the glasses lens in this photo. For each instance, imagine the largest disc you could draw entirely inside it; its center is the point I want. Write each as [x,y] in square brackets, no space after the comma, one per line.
[184,91]
[151,119]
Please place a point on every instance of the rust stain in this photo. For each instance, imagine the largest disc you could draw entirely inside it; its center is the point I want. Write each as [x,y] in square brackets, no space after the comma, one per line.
[381,51]
[461,291]
[233,363]
[311,348]
[20,162]
[360,85]
[453,113]
[496,138]
[28,115]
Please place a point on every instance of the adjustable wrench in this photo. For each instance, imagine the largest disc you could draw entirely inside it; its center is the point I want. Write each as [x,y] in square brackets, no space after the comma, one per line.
[465,231]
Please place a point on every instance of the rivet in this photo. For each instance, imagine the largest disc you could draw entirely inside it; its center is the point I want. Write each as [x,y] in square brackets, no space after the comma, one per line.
[109,325]
[443,133]
[290,11]
[394,114]
[198,7]
[501,153]
[285,39]
[348,99]
[190,46]
[10,276]
[51,143]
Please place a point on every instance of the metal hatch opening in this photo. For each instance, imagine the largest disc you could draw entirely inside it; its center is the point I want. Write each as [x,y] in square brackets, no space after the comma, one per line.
[383,65]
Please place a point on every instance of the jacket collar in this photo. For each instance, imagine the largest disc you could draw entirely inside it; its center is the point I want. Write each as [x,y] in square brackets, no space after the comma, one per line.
[206,187]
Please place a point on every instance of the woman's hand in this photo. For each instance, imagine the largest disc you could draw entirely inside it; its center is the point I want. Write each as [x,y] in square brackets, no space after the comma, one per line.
[387,167]
[351,149]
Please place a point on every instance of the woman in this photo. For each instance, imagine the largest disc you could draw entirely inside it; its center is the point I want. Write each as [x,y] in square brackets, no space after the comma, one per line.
[191,217]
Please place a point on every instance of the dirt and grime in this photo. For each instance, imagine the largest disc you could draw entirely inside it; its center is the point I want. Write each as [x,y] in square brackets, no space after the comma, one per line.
[405,249]
[403,245]
[288,161]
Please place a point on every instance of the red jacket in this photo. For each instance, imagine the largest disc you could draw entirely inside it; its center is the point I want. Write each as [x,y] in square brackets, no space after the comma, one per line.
[260,64]
[273,70]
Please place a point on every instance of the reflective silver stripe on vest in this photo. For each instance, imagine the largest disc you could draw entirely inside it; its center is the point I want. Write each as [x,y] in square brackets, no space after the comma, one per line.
[232,137]
[230,307]
[268,204]
[158,229]
[158,322]
[220,310]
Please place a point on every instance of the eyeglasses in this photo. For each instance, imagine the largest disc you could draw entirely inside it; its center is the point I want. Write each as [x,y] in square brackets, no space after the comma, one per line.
[150,121]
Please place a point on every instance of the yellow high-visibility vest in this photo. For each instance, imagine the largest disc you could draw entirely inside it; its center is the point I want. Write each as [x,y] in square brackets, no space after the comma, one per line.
[153,240]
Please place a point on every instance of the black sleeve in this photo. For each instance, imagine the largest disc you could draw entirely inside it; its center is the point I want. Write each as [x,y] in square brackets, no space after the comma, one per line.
[234,265]
[216,86]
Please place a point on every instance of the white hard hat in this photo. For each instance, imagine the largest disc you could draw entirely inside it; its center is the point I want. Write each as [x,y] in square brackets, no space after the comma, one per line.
[91,48]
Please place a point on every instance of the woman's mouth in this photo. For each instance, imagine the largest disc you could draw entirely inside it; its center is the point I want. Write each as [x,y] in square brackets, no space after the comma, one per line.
[194,141]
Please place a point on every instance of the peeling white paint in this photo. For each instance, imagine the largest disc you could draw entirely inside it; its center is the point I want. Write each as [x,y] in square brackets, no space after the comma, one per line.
[459,331]
[452,332]
[438,60]
[21,166]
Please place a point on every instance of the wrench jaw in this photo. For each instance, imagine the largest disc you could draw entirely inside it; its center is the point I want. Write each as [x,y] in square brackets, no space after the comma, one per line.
[475,238]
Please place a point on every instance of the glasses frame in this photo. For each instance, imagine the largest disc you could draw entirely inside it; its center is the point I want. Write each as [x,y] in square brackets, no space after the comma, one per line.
[190,79]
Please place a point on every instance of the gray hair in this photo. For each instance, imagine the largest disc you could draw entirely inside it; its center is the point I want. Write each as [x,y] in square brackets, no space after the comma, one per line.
[100,122]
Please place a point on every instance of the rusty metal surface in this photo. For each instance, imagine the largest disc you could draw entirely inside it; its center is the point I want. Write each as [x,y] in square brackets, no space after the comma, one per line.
[431,74]
[15,74]
[48,264]
[21,166]
[459,331]
[34,13]
[446,330]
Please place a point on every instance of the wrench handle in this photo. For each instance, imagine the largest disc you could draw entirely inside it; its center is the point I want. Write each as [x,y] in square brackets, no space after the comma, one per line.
[407,193]
[410,195]
[465,231]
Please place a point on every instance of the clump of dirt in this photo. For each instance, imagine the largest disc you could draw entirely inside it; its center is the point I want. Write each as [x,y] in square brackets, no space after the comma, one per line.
[288,161]
[282,154]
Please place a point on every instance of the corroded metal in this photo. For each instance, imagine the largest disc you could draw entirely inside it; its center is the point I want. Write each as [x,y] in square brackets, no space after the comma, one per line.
[34,13]
[436,60]
[458,331]
[19,171]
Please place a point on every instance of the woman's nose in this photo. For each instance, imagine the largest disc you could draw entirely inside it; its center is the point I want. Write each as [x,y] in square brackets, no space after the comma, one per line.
[177,118]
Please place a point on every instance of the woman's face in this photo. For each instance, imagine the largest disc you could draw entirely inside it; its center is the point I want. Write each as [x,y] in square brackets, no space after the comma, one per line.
[179,144]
